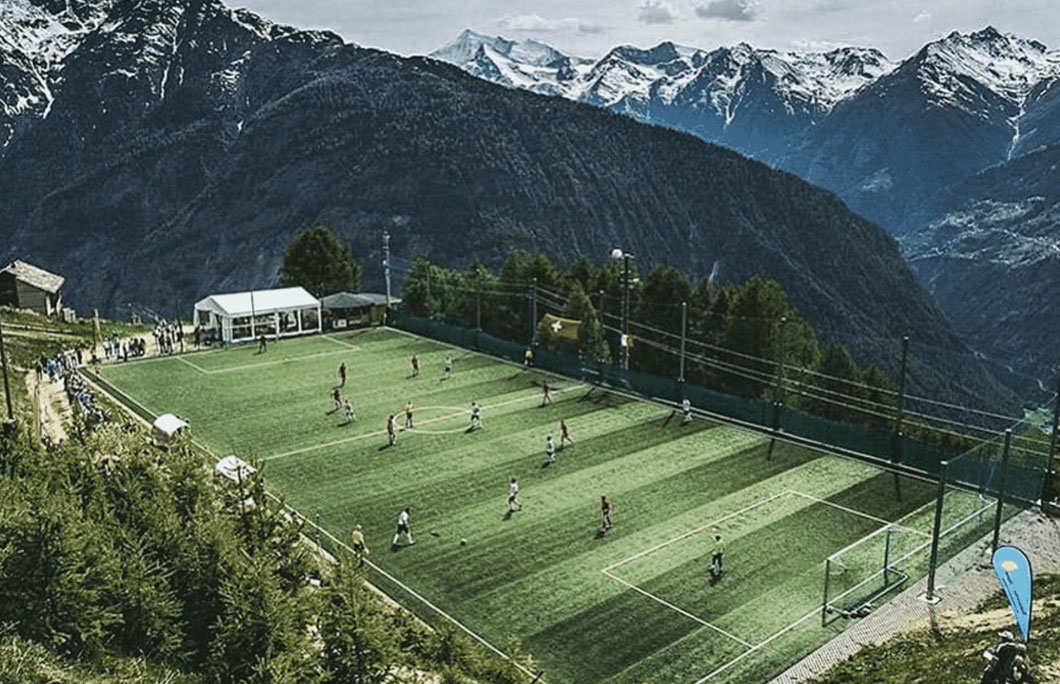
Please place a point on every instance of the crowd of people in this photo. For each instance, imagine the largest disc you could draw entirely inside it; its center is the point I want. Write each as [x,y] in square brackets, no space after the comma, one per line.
[116,349]
[169,337]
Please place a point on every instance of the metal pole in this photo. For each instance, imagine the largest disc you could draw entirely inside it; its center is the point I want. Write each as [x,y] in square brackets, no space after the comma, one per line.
[625,311]
[887,559]
[7,385]
[1052,446]
[933,563]
[824,603]
[899,415]
[1001,488]
[386,264]
[778,388]
[533,311]
[900,401]
[478,301]
[684,333]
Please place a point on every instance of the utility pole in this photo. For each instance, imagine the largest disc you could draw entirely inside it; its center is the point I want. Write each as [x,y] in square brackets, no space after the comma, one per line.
[10,422]
[386,264]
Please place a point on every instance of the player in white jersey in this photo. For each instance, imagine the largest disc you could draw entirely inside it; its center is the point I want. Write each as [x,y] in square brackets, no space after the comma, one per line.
[403,527]
[513,497]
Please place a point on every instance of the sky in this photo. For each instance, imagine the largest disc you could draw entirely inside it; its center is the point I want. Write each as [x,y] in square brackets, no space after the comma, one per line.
[589,28]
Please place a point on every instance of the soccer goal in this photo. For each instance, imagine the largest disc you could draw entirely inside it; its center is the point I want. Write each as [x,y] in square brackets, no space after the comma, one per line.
[866,573]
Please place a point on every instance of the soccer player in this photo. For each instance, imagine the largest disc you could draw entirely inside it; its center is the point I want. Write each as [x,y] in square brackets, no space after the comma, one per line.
[528,358]
[415,361]
[448,365]
[403,527]
[360,549]
[513,497]
[550,449]
[607,510]
[391,430]
[715,557]
[564,434]
[347,408]
[686,410]
[546,393]
[408,414]
[476,416]
[336,397]
[344,372]
[263,345]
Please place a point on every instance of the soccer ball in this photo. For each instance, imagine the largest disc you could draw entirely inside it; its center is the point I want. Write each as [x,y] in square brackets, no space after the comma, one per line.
[463,542]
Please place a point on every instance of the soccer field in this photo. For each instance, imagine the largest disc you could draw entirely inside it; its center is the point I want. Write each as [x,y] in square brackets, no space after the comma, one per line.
[634,605]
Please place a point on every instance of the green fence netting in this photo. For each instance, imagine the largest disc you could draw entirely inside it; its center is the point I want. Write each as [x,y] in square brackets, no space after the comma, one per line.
[977,470]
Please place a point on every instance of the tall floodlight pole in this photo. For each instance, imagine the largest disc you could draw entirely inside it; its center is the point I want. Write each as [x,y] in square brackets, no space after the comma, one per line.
[626,285]
[7,386]
[386,264]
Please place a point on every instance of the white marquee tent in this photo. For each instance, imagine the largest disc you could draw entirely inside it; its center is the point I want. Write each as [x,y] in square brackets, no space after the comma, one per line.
[241,316]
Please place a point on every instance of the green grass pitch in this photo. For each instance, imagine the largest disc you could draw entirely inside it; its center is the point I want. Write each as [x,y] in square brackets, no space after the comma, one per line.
[632,606]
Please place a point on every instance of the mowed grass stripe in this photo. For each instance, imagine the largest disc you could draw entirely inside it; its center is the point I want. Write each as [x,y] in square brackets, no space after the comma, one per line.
[538,574]
[301,412]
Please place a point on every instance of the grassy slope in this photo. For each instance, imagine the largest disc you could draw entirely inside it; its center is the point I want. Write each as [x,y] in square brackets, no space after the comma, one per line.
[952,654]
[538,575]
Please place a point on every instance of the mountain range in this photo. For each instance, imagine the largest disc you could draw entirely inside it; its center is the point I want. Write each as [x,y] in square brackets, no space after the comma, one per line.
[161,150]
[927,147]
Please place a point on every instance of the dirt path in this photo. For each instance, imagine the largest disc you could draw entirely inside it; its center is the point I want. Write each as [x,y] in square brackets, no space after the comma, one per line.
[963,583]
[53,408]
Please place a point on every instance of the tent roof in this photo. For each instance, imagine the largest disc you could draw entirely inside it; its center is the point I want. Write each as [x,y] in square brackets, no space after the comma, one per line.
[234,468]
[349,300]
[37,277]
[169,424]
[258,302]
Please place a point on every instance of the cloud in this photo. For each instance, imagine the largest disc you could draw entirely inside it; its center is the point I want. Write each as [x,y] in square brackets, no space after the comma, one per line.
[731,10]
[656,12]
[922,17]
[532,23]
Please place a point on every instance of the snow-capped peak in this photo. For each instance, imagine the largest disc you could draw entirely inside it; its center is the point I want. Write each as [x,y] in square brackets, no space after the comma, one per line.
[1006,64]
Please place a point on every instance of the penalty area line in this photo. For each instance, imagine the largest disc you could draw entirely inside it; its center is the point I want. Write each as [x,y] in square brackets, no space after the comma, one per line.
[678,609]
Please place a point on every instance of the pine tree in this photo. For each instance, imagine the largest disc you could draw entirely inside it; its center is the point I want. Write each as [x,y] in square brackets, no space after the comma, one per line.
[321,262]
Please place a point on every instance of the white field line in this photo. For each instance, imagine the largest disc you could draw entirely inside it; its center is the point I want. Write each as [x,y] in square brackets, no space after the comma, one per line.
[336,340]
[817,611]
[323,531]
[671,606]
[886,523]
[377,433]
[694,531]
[193,365]
[264,363]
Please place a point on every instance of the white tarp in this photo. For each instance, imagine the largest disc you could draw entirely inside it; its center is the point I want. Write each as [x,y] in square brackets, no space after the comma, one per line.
[165,426]
[234,468]
[258,302]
